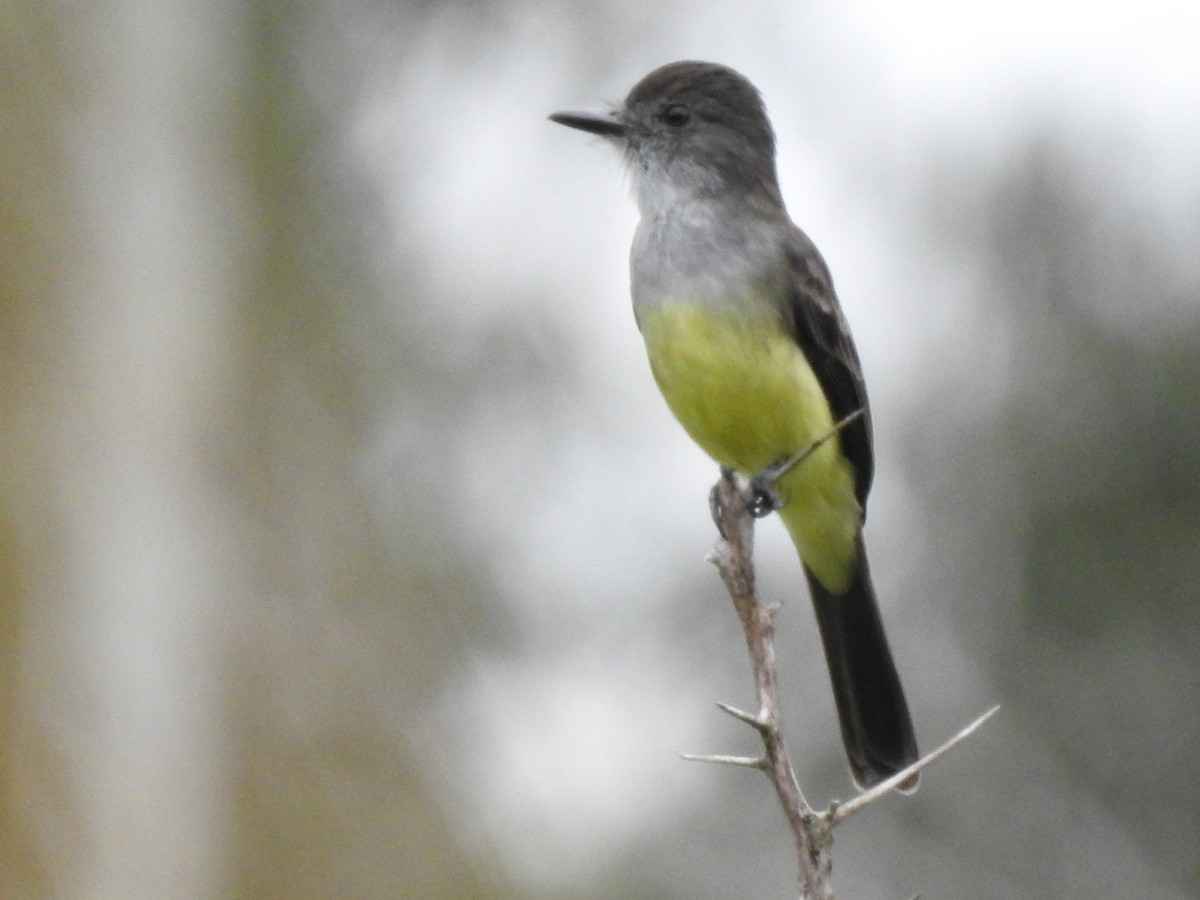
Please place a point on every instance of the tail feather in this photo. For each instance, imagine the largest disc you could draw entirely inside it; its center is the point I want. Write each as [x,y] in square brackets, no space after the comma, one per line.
[876,727]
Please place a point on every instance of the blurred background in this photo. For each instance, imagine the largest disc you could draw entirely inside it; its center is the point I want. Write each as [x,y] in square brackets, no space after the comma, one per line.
[347,549]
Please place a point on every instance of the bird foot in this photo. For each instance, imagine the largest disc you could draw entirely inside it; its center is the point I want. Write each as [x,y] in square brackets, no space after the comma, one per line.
[762,499]
[715,506]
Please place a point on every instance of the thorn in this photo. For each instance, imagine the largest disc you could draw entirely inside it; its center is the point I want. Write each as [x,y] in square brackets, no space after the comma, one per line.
[754,721]
[839,812]
[773,472]
[744,762]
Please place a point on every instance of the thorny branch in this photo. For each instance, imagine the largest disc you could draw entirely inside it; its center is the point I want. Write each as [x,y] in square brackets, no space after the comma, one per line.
[733,558]
[811,830]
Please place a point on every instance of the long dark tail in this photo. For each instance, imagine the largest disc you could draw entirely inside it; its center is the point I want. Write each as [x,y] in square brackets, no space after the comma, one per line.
[876,727]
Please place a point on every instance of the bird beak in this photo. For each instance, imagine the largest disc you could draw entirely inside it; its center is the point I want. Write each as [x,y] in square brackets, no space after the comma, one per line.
[607,125]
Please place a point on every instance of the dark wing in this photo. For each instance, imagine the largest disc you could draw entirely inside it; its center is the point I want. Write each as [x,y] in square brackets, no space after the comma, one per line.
[820,329]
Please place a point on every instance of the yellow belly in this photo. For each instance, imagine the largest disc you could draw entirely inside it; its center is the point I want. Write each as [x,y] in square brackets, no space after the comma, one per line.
[742,389]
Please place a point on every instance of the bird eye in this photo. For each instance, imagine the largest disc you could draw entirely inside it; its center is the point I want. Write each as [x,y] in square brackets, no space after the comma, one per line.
[676,115]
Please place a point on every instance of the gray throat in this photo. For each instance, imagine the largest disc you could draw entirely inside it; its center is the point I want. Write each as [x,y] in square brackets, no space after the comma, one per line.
[707,251]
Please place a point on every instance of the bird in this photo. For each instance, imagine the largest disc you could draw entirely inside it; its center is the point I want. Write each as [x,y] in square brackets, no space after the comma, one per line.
[753,355]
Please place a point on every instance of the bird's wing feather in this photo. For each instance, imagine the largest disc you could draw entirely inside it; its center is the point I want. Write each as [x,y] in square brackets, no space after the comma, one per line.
[820,329]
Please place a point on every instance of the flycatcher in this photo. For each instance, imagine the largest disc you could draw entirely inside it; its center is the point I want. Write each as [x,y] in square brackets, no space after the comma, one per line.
[751,351]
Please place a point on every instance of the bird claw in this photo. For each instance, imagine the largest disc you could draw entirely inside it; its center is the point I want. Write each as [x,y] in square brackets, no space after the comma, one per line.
[717,510]
[716,507]
[762,499]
